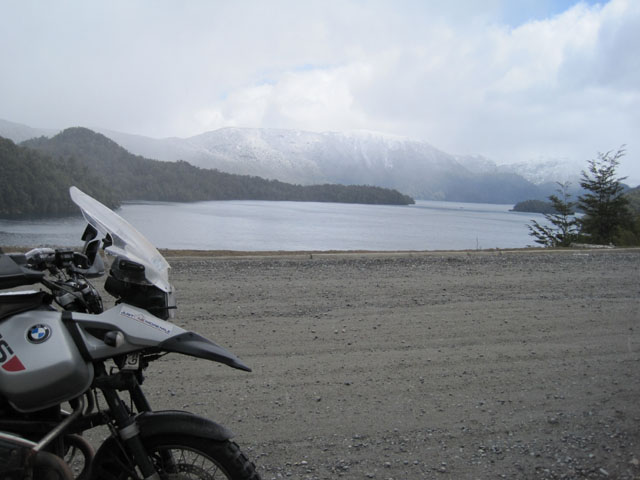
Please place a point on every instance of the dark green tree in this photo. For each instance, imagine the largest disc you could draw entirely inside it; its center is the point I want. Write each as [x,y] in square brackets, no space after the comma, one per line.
[606,212]
[562,227]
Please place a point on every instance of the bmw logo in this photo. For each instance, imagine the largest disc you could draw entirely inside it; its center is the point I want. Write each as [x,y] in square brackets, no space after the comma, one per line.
[39,333]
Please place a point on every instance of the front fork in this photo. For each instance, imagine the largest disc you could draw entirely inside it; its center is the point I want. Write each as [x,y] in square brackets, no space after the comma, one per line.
[124,420]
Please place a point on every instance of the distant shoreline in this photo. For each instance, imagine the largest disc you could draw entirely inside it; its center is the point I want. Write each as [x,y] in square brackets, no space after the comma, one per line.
[169,253]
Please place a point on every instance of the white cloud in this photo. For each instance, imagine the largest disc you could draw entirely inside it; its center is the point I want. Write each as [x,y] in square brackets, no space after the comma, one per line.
[509,80]
[312,99]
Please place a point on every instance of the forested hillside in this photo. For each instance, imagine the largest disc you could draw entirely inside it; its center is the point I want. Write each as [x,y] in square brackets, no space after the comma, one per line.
[37,174]
[32,183]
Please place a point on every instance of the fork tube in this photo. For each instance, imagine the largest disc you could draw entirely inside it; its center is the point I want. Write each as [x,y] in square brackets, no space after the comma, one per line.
[139,399]
[129,432]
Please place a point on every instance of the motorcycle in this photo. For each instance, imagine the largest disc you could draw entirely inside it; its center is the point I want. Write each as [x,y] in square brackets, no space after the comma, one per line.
[60,347]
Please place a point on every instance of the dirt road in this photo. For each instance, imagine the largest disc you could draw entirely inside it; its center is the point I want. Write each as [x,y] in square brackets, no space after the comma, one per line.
[427,365]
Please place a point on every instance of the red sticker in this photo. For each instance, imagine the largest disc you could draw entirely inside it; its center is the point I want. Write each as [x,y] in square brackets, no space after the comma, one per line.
[13,365]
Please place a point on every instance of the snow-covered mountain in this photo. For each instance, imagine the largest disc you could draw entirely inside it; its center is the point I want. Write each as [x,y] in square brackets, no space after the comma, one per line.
[413,167]
[287,155]
[547,170]
[538,172]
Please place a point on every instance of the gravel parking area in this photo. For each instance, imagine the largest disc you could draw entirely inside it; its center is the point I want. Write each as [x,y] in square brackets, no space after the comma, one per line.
[489,364]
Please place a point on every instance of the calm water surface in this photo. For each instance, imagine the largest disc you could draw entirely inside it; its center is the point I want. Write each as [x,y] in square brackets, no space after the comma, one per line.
[290,226]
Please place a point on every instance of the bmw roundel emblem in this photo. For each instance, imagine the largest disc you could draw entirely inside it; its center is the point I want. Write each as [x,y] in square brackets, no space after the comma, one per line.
[39,333]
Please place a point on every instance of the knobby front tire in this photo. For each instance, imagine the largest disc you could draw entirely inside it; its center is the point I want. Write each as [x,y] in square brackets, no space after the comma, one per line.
[179,457]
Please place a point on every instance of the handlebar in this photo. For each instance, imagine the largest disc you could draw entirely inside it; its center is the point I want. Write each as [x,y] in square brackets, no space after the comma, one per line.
[49,259]
[68,286]
[40,258]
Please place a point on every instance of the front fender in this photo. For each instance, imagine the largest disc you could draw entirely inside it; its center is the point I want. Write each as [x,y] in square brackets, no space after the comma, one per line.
[177,422]
[168,422]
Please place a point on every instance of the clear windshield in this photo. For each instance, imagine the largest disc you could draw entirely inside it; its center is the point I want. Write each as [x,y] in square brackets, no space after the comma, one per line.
[127,241]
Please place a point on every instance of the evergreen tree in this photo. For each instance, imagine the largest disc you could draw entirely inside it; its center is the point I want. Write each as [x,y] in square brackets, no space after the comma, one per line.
[563,228]
[606,212]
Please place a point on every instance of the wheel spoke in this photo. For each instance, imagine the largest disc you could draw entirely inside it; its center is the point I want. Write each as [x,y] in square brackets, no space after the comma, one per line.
[183,464]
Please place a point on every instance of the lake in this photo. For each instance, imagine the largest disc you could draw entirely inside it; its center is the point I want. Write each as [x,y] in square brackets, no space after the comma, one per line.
[293,226]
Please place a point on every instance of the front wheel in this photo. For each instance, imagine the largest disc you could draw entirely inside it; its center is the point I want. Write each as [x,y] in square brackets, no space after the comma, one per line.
[182,457]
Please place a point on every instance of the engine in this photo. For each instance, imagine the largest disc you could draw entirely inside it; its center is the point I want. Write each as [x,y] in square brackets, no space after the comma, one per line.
[19,460]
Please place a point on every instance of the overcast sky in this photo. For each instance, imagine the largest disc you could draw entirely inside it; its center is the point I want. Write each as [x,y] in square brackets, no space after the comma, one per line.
[512,80]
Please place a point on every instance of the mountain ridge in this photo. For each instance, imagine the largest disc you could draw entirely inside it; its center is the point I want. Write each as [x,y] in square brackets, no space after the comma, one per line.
[413,167]
[82,157]
[410,166]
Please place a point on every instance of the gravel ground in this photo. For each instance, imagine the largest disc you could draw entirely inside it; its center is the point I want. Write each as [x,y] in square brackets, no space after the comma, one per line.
[501,364]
